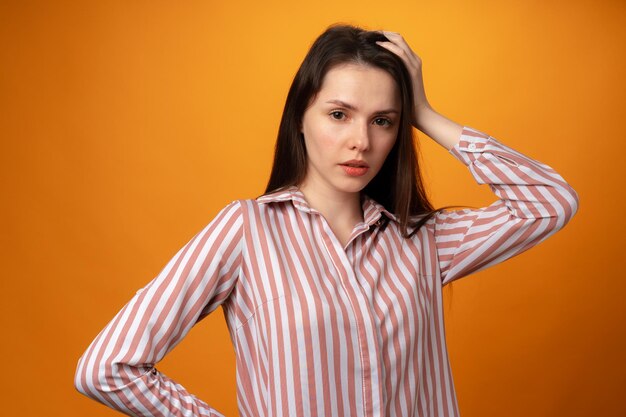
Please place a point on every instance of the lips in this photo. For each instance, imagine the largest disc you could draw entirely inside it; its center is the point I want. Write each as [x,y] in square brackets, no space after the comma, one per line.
[355,163]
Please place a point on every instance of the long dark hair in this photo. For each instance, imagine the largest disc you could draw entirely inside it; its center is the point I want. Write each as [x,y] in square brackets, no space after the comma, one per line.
[398,185]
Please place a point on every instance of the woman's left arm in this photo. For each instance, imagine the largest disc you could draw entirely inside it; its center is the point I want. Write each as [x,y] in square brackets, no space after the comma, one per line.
[534,201]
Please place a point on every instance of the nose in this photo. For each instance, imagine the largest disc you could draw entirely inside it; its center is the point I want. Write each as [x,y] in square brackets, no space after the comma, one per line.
[361,137]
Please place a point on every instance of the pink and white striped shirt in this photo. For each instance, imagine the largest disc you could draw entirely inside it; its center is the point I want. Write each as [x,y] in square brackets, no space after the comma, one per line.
[320,329]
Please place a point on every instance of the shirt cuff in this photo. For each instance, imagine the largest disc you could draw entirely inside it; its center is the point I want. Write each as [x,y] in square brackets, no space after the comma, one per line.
[471,143]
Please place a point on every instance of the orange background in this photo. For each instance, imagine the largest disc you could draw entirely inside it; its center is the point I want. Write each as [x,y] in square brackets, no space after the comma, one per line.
[127,125]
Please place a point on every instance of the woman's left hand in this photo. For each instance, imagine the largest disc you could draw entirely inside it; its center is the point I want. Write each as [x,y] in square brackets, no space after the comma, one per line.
[398,45]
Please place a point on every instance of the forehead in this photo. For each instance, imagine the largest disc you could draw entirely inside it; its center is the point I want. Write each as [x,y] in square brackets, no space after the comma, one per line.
[360,84]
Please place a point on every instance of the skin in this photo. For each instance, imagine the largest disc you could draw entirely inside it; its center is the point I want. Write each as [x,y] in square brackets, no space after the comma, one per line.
[331,138]
[334,133]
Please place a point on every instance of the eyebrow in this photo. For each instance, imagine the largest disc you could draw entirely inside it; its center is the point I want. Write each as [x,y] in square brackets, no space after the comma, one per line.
[351,107]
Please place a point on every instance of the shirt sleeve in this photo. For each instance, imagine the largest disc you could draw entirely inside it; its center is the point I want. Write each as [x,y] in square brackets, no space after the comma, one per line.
[534,202]
[118,368]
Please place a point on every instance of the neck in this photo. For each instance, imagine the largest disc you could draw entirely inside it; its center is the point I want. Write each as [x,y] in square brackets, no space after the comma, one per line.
[335,206]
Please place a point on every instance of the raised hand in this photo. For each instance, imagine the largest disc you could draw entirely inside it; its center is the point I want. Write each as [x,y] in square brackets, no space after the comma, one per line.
[398,45]
[442,130]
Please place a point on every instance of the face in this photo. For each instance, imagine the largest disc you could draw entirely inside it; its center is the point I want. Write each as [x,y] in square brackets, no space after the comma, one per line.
[355,115]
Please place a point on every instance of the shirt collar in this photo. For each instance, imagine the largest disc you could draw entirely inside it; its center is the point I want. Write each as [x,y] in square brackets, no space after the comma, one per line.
[372,210]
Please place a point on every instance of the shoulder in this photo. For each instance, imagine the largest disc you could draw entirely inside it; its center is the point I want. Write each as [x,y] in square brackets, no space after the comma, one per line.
[229,214]
[268,200]
[246,207]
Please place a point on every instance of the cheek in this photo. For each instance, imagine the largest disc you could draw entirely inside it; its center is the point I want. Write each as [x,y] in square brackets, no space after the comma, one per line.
[323,138]
[387,140]
[327,131]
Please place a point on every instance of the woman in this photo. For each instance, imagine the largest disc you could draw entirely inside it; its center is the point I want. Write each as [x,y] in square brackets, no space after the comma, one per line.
[331,282]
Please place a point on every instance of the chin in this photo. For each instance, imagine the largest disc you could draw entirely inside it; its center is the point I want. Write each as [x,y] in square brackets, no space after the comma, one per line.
[355,186]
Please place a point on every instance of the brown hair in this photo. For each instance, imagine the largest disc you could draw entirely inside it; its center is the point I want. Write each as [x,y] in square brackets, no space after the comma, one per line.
[398,185]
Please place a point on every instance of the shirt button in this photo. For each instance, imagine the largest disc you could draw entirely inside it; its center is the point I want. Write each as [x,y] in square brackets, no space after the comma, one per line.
[471,147]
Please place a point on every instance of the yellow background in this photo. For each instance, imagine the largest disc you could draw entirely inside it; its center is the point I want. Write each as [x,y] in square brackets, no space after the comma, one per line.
[127,125]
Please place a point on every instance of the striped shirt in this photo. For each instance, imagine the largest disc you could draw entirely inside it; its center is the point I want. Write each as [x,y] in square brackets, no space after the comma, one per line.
[321,329]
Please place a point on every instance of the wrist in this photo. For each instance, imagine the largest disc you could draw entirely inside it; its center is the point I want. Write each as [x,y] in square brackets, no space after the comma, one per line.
[423,114]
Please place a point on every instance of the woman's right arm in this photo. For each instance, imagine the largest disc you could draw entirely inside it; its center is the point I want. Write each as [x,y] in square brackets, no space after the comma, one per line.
[118,367]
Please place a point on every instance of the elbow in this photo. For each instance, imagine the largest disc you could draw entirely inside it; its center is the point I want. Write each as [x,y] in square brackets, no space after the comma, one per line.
[91,379]
[570,205]
[83,384]
[563,208]
[84,381]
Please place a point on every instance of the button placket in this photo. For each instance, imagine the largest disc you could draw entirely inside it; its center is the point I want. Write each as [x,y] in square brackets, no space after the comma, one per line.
[355,292]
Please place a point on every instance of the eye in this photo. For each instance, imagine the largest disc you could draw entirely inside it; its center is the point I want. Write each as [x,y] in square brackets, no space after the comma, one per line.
[335,112]
[387,121]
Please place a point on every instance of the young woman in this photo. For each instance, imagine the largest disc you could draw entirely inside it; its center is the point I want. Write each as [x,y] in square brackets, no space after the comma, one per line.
[331,282]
